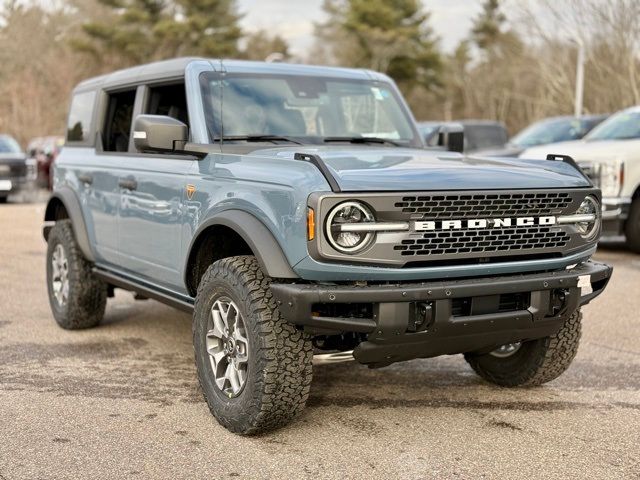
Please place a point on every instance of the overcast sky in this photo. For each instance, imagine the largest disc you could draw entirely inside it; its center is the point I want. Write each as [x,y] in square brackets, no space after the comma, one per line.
[294,19]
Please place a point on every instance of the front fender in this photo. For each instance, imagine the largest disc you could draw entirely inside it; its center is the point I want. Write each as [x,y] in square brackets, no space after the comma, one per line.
[69,200]
[261,241]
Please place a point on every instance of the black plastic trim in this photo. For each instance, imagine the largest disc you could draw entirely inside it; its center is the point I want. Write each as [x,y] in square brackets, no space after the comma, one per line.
[71,203]
[554,296]
[146,290]
[261,241]
[570,161]
[320,165]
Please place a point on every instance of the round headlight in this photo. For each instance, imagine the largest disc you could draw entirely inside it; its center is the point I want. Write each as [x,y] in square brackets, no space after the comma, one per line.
[589,206]
[348,213]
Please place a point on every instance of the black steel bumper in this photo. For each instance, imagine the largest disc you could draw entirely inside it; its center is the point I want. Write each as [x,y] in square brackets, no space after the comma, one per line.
[435,318]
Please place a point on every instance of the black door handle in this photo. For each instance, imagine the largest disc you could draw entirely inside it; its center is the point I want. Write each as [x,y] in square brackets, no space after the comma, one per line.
[128,183]
[86,178]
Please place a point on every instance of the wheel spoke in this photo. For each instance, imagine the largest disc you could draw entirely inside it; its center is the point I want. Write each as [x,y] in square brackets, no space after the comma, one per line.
[60,275]
[219,323]
[232,375]
[227,346]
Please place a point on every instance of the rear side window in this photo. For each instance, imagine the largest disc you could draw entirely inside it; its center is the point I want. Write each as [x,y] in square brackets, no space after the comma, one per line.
[117,126]
[80,113]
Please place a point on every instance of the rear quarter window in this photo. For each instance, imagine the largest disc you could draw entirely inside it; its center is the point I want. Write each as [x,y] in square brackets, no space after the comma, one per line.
[80,115]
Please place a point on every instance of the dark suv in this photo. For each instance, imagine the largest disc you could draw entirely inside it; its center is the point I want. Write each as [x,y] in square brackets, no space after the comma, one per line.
[17,172]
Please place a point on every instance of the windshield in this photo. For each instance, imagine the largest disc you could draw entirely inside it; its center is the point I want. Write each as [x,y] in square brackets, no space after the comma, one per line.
[309,109]
[8,145]
[550,131]
[622,126]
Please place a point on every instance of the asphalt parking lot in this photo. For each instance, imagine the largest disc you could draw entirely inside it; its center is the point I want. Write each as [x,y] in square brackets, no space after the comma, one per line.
[121,401]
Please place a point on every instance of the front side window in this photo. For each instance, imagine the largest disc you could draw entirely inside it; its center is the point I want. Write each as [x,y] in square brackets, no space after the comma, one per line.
[80,113]
[622,126]
[309,109]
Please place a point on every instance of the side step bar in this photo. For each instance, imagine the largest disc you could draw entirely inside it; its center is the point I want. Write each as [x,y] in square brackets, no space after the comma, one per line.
[168,298]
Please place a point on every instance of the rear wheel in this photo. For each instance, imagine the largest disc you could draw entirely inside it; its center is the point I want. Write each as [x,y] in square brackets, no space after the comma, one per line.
[530,363]
[632,226]
[254,367]
[77,297]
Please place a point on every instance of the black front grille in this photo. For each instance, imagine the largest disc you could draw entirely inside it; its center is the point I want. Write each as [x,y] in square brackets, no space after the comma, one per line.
[457,241]
[485,205]
[18,170]
[484,240]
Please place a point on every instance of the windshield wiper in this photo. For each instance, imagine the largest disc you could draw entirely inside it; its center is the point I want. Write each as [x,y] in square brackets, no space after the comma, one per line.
[361,140]
[260,138]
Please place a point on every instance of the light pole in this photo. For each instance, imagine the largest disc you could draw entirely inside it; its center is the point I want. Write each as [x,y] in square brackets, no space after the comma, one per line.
[577,111]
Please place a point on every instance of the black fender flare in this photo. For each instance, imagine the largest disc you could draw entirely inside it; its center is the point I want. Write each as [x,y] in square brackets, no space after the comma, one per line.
[70,201]
[261,241]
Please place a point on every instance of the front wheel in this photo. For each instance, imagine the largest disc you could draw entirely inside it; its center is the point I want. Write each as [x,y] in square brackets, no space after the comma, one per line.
[254,367]
[530,363]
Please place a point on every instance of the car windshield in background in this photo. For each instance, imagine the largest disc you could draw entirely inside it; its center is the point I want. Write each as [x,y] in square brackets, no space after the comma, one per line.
[622,126]
[549,131]
[8,145]
[306,109]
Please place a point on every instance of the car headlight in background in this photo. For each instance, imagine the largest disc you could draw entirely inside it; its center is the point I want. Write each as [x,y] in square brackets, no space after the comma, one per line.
[342,227]
[611,178]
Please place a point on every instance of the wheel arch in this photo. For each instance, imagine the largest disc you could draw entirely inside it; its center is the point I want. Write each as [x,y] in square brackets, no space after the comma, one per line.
[64,204]
[231,233]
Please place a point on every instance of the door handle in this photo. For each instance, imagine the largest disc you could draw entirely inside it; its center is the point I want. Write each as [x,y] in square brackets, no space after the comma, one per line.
[128,183]
[86,178]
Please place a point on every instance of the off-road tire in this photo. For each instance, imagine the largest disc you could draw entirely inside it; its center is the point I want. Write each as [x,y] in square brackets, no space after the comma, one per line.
[536,362]
[87,297]
[279,368]
[632,226]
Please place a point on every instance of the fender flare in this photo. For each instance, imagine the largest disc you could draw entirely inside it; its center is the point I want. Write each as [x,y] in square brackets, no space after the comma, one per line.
[70,201]
[261,241]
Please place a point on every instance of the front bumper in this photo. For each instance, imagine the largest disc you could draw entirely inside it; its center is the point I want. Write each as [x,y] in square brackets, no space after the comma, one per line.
[615,212]
[461,315]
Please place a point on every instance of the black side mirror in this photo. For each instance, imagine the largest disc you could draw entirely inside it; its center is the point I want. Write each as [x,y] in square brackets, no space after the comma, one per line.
[159,133]
[451,136]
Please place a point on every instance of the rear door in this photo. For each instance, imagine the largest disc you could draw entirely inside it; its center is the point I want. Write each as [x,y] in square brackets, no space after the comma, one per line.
[152,192]
[92,176]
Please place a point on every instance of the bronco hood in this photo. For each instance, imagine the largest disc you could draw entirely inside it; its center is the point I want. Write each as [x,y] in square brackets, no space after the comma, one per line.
[393,169]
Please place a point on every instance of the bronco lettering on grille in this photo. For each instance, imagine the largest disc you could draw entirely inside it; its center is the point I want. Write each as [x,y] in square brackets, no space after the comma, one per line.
[482,223]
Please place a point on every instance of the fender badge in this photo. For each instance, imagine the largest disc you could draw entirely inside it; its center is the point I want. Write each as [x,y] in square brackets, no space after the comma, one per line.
[191,189]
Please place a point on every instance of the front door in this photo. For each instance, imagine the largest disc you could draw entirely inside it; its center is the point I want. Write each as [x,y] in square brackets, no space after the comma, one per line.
[152,194]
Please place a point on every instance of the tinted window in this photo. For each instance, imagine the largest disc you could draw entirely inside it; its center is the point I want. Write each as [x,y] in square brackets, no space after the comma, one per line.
[8,145]
[117,128]
[170,100]
[80,113]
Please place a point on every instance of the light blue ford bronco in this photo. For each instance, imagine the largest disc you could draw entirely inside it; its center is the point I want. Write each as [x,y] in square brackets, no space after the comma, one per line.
[294,210]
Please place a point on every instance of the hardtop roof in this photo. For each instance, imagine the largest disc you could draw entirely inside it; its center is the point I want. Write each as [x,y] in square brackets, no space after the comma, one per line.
[175,68]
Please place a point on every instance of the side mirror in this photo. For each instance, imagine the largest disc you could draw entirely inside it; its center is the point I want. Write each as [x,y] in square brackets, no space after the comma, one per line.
[158,133]
[451,135]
